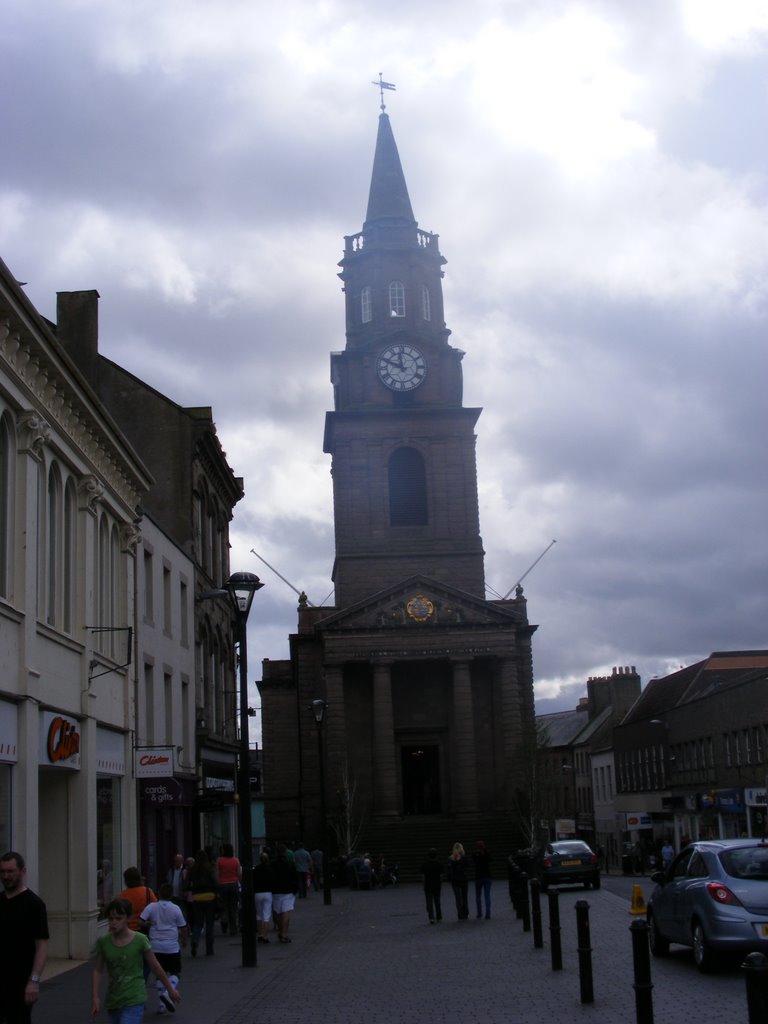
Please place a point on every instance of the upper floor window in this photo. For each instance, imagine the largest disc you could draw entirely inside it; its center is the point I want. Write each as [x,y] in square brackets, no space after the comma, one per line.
[366,305]
[407,488]
[60,528]
[7,493]
[396,298]
[426,308]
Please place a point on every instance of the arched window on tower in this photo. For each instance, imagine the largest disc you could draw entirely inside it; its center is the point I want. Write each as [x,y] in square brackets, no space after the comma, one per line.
[396,298]
[407,488]
[426,308]
[366,305]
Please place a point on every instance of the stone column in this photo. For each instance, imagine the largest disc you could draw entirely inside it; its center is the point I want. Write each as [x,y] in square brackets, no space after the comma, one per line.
[512,729]
[335,730]
[384,766]
[465,768]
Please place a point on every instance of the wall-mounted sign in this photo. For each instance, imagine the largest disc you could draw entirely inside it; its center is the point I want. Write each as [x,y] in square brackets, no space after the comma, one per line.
[153,762]
[9,732]
[59,740]
[637,819]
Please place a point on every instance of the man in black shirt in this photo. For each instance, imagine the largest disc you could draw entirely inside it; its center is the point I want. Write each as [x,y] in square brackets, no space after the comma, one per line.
[23,942]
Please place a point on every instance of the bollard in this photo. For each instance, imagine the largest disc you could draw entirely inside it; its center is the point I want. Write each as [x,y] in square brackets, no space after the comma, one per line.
[538,938]
[517,900]
[585,951]
[512,870]
[641,960]
[755,969]
[525,904]
[554,930]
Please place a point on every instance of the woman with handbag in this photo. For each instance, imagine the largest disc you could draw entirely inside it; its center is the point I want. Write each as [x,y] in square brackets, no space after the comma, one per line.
[203,884]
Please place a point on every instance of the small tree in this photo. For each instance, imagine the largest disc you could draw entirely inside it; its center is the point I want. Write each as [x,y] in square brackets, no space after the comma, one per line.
[529,796]
[347,825]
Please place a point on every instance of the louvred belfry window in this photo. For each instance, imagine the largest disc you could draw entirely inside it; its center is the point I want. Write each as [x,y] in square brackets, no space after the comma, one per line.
[407,489]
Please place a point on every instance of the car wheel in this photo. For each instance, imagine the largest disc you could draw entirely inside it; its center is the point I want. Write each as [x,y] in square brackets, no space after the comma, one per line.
[587,885]
[702,951]
[659,945]
[596,882]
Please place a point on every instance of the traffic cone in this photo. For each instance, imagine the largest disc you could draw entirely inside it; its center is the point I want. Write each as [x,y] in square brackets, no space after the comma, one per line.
[638,900]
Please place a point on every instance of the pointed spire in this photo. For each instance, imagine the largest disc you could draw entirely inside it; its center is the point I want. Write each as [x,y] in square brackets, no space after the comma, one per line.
[388,197]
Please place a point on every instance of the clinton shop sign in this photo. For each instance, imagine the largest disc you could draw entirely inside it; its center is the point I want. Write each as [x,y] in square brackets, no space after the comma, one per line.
[153,762]
[59,740]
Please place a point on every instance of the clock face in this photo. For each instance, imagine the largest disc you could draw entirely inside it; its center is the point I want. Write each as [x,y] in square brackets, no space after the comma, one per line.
[401,367]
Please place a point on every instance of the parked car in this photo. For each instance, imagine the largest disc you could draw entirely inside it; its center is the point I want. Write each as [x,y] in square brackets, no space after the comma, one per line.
[714,898]
[567,861]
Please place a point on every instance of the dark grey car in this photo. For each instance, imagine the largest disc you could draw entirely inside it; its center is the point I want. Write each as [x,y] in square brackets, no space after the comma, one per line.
[567,861]
[714,898]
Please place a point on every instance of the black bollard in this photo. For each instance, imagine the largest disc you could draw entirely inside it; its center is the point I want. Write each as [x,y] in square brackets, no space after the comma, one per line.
[755,969]
[538,938]
[554,929]
[585,952]
[512,869]
[641,960]
[525,906]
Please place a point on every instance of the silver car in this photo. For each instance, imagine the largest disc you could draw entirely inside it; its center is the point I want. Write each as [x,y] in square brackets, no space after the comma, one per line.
[714,898]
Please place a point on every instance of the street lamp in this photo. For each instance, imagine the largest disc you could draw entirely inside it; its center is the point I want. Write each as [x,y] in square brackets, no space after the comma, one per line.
[318,710]
[241,587]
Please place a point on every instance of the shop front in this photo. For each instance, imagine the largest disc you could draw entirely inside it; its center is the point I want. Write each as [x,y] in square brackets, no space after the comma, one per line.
[166,809]
[217,804]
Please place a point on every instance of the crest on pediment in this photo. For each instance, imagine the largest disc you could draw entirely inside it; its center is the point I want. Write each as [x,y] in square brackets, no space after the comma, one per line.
[421,603]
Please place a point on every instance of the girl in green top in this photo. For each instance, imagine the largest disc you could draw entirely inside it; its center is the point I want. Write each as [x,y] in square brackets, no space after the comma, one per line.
[124,953]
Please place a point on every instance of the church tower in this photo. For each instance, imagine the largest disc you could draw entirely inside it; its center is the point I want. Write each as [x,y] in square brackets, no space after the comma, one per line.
[403,446]
[427,686]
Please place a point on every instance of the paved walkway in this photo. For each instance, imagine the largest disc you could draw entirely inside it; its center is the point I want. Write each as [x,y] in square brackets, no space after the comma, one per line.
[372,958]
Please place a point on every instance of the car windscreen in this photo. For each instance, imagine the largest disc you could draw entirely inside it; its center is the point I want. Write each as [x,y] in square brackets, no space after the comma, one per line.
[749,862]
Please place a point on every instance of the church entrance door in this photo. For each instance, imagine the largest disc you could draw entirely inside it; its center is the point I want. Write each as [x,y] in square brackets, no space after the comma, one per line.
[421,779]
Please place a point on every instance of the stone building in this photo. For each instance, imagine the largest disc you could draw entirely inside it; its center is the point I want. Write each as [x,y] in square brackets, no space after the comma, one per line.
[70,485]
[428,685]
[184,644]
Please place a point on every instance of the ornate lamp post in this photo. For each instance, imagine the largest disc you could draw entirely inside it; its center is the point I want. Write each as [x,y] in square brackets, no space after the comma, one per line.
[318,710]
[241,587]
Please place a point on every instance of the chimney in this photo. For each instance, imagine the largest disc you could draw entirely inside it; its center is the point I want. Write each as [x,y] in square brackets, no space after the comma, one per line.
[77,328]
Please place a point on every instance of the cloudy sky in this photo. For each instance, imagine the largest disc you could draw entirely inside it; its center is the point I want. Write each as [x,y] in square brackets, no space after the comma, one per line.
[598,174]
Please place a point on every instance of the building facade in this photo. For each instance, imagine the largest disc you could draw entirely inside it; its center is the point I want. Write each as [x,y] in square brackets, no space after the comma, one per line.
[428,685]
[692,754]
[191,501]
[70,486]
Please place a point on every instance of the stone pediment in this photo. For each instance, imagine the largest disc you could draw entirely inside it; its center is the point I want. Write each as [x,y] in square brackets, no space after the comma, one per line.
[421,603]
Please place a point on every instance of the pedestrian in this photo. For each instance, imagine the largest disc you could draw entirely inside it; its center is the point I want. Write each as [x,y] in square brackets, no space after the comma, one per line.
[317,869]
[482,861]
[23,941]
[284,886]
[166,927]
[262,895]
[125,954]
[303,864]
[457,875]
[667,854]
[137,893]
[432,875]
[176,878]
[203,884]
[229,874]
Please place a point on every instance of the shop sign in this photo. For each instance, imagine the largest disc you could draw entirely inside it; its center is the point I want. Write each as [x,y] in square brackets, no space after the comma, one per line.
[637,819]
[213,783]
[59,740]
[153,762]
[755,797]
[9,731]
[168,793]
[728,801]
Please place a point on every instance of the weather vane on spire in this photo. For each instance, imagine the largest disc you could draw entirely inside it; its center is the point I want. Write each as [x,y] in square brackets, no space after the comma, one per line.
[382,85]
